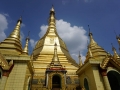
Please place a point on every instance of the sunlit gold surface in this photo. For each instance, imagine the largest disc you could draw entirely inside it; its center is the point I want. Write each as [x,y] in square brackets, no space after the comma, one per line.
[44,50]
[25,50]
[12,43]
[94,50]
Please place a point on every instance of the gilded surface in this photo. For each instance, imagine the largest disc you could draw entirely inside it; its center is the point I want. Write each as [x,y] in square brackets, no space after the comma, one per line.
[44,53]
[44,50]
[12,43]
[94,50]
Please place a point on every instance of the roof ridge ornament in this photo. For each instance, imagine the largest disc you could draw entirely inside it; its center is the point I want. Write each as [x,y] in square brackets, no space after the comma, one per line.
[115,55]
[118,39]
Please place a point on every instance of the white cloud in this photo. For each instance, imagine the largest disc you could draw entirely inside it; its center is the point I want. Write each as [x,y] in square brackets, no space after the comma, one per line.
[43,29]
[75,37]
[5,14]
[33,43]
[22,25]
[3,26]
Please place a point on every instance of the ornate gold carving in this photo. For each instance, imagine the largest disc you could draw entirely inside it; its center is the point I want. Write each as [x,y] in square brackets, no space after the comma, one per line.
[51,40]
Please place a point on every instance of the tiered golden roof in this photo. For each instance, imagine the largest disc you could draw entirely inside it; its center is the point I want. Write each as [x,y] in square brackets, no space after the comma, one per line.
[12,43]
[44,49]
[95,52]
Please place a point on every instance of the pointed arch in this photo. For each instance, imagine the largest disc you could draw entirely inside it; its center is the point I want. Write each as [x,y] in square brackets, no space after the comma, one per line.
[56,81]
[114,80]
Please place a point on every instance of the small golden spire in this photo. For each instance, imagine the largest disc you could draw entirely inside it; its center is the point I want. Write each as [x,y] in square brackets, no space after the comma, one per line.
[25,50]
[80,60]
[55,59]
[116,56]
[94,50]
[16,32]
[91,38]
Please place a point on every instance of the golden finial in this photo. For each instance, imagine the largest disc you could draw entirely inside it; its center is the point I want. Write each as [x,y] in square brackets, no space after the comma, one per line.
[116,56]
[52,9]
[80,60]
[25,50]
[91,38]
[52,16]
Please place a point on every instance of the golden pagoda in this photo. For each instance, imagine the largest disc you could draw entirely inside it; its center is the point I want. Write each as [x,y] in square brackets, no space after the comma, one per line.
[44,52]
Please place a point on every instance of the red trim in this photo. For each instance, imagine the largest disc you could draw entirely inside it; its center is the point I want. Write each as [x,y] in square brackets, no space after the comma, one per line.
[56,69]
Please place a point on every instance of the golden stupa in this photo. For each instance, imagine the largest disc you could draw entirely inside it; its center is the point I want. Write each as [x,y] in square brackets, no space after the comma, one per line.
[44,51]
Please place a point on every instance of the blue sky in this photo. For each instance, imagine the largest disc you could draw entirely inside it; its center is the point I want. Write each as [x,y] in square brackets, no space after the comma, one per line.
[73,18]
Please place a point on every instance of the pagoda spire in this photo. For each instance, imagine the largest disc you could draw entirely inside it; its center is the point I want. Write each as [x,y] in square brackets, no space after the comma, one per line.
[94,50]
[115,55]
[16,32]
[80,60]
[12,44]
[52,19]
[91,38]
[25,50]
[51,22]
[55,59]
